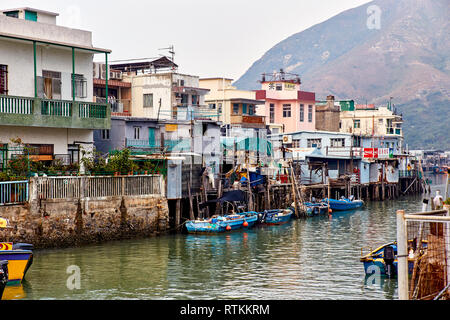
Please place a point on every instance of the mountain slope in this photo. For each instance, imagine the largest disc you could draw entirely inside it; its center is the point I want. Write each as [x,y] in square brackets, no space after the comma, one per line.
[408,59]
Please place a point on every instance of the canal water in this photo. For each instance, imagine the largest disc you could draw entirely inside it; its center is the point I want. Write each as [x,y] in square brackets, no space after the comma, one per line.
[316,258]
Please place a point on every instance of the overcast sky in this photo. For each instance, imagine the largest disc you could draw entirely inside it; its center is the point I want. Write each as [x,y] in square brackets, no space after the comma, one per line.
[211,38]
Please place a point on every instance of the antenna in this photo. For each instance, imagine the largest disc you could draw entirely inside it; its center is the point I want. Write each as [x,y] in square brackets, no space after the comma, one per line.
[171,51]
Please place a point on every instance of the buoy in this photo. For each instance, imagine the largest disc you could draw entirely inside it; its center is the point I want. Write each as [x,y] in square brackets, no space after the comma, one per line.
[330,210]
[228,227]
[245,224]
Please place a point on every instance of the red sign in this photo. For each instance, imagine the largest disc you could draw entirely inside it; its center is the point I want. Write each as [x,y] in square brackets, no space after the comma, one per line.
[370,152]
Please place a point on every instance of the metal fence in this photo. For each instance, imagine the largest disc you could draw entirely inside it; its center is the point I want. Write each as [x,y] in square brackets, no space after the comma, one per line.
[13,192]
[423,255]
[97,187]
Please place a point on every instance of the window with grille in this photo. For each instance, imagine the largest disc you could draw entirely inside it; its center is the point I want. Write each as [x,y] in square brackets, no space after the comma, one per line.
[310,113]
[314,143]
[3,79]
[105,134]
[80,86]
[272,113]
[302,113]
[286,110]
[148,100]
[356,124]
[338,142]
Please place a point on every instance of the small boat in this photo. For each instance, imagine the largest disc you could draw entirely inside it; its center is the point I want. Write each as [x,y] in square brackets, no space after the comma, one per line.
[19,257]
[383,260]
[3,276]
[343,204]
[222,224]
[315,209]
[276,216]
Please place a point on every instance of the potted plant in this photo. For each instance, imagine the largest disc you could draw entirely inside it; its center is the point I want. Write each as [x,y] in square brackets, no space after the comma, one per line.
[447,204]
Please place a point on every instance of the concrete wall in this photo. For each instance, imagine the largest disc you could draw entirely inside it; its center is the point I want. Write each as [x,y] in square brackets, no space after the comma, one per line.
[61,223]
[18,56]
[45,31]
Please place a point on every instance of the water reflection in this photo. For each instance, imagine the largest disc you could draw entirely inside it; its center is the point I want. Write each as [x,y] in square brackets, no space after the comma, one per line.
[316,258]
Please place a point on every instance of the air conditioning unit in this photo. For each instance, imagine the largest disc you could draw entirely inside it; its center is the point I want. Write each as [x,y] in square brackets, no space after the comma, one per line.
[116,75]
[96,70]
[287,139]
[103,71]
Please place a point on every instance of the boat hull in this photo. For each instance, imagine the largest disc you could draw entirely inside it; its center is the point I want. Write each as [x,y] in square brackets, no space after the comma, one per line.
[343,205]
[274,218]
[220,226]
[19,261]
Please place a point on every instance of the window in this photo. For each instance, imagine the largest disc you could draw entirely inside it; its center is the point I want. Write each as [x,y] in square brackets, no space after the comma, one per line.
[296,144]
[137,131]
[380,121]
[12,14]
[314,143]
[80,84]
[338,142]
[148,100]
[251,109]
[3,79]
[105,134]
[195,100]
[244,108]
[219,109]
[279,86]
[51,84]
[310,112]
[340,124]
[356,141]
[356,124]
[212,106]
[235,108]
[302,112]
[286,110]
[272,113]
[74,153]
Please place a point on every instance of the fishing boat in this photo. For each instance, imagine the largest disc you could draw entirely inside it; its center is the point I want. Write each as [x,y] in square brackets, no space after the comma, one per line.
[276,216]
[316,209]
[343,204]
[19,257]
[383,260]
[3,276]
[220,224]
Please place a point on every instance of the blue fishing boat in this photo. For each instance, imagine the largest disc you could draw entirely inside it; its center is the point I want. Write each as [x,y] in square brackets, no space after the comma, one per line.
[222,224]
[343,204]
[383,260]
[277,216]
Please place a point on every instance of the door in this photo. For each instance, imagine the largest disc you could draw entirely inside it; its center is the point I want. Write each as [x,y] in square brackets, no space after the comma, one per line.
[151,137]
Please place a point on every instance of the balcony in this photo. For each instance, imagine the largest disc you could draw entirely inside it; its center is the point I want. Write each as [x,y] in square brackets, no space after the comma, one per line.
[195,112]
[37,112]
[248,121]
[394,131]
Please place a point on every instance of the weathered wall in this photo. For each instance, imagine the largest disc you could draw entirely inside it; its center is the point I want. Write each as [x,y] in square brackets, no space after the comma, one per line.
[62,223]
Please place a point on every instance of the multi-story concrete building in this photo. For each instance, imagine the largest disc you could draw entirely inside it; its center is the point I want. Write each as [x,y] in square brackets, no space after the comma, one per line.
[287,108]
[370,120]
[46,91]
[159,92]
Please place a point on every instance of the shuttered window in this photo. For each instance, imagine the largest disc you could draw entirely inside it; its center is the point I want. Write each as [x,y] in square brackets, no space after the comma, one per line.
[3,79]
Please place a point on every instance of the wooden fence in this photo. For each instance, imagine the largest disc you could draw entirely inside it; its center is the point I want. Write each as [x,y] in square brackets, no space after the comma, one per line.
[98,186]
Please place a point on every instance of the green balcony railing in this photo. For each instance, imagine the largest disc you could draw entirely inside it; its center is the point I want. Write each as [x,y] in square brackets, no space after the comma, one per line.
[56,108]
[92,110]
[37,112]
